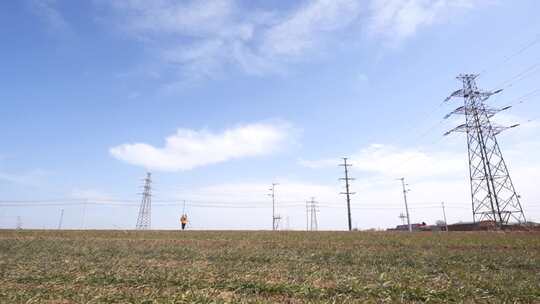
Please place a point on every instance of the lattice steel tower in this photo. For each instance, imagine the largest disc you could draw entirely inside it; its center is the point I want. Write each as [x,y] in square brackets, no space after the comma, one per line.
[311,215]
[493,195]
[144,221]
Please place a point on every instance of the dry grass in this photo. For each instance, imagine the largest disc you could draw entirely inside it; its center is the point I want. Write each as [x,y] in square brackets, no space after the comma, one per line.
[259,267]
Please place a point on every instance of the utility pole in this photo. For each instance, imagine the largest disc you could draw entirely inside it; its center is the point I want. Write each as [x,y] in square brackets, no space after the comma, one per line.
[61,219]
[347,190]
[405,199]
[493,195]
[144,220]
[275,218]
[19,223]
[444,215]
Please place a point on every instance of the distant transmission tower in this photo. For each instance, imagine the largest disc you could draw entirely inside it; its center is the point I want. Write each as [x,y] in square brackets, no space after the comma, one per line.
[311,215]
[493,195]
[144,221]
[347,190]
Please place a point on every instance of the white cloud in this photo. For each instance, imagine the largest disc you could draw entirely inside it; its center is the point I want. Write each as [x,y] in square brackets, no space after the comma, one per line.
[390,161]
[319,163]
[194,18]
[204,37]
[199,59]
[188,149]
[201,38]
[304,28]
[29,178]
[400,19]
[47,11]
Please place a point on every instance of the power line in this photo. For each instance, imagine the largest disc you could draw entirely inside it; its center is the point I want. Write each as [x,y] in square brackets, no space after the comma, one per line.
[208,204]
[41,201]
[524,97]
[160,202]
[415,140]
[216,204]
[513,55]
[530,70]
[414,125]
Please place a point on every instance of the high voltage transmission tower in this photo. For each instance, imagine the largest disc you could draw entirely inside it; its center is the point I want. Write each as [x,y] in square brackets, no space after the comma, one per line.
[275,218]
[347,190]
[311,215]
[144,220]
[492,191]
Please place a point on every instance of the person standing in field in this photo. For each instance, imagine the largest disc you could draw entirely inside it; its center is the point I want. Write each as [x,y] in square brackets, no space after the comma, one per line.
[183,221]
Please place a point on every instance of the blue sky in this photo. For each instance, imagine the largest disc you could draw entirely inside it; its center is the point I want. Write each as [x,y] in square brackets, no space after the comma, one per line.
[220,99]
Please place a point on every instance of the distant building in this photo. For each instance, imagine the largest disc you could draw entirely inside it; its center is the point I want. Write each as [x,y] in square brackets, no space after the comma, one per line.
[468,226]
[473,226]
[415,227]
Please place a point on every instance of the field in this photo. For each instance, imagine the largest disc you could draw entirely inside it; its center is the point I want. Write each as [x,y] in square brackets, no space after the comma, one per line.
[262,267]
